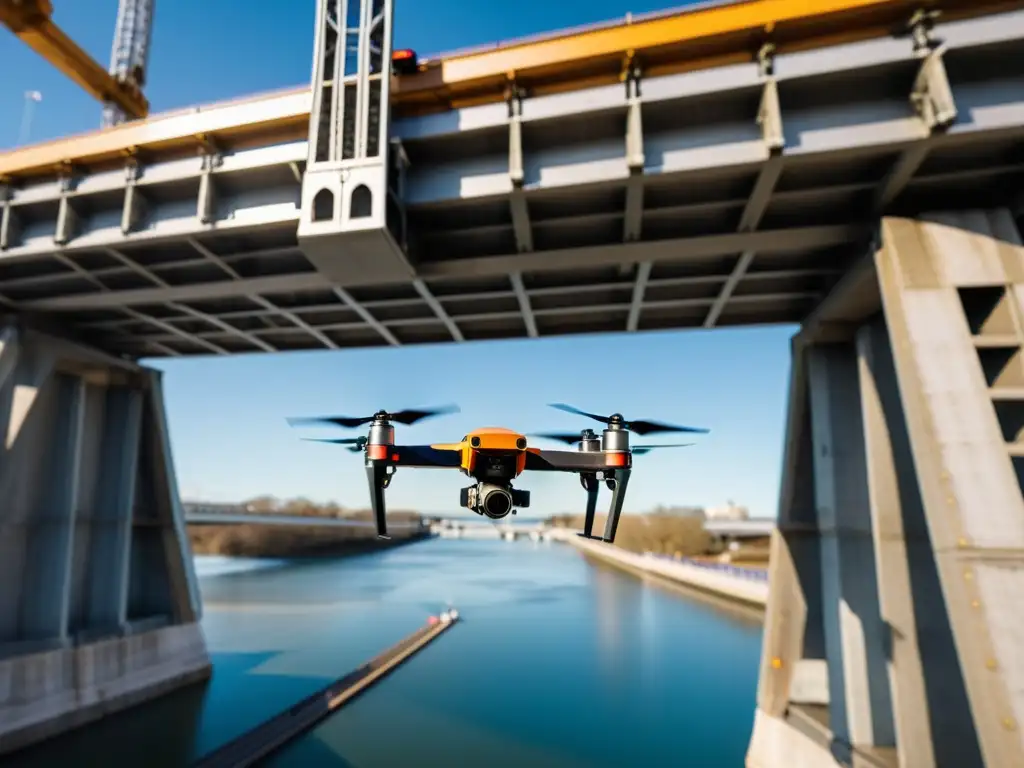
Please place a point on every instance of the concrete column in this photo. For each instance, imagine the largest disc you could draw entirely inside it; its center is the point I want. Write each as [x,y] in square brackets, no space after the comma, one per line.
[72,421]
[793,653]
[855,636]
[177,550]
[113,502]
[47,579]
[929,701]
[951,287]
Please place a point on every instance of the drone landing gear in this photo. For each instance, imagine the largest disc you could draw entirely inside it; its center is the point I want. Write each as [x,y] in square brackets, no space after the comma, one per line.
[379,473]
[616,480]
[591,485]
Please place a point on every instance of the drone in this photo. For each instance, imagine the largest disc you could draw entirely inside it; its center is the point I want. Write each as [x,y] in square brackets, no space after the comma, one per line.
[495,456]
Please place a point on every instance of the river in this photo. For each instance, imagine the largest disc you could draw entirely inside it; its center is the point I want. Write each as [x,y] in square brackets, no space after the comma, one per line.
[558,663]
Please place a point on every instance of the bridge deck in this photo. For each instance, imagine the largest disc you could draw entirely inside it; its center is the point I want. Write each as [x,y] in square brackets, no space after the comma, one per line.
[722,221]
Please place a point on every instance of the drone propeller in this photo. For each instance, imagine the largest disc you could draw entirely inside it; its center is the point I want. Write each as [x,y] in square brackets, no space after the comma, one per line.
[408,417]
[640,450]
[640,427]
[355,444]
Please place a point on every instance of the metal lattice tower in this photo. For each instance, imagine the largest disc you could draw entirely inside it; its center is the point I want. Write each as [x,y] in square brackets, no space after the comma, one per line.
[130,54]
[353,218]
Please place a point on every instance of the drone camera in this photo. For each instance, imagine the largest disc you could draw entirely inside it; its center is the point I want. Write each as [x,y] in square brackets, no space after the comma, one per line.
[493,501]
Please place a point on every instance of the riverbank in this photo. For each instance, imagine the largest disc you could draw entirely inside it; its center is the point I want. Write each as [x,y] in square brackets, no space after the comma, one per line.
[280,541]
[721,582]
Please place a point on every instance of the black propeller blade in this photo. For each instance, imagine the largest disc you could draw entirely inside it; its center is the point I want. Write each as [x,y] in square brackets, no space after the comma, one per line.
[640,450]
[640,427]
[408,417]
[355,444]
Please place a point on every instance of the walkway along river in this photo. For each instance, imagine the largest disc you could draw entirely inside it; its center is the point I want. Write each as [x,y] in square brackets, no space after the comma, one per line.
[559,663]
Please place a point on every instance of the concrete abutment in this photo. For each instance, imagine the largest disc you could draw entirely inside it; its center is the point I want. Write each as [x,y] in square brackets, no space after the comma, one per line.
[99,606]
[894,627]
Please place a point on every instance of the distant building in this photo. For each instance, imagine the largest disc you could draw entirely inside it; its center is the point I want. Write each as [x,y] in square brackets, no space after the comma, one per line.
[697,512]
[729,512]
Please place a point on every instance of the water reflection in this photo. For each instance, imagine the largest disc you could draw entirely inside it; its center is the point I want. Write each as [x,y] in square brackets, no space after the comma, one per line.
[558,663]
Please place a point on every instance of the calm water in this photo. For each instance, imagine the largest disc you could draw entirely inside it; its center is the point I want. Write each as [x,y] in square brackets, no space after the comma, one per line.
[558,664]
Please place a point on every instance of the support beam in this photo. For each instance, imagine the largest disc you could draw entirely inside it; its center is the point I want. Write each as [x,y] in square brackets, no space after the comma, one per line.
[668,251]
[643,275]
[206,200]
[68,218]
[438,310]
[932,100]
[521,227]
[75,424]
[769,118]
[524,304]
[366,316]
[632,221]
[187,310]
[10,226]
[134,207]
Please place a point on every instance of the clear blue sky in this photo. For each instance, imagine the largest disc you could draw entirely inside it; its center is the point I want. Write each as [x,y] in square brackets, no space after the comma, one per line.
[227,415]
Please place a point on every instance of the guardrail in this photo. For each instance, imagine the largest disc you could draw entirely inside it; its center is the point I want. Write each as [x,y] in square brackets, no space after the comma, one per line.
[753,574]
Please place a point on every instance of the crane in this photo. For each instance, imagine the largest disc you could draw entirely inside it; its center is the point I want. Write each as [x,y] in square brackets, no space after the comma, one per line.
[130,55]
[120,90]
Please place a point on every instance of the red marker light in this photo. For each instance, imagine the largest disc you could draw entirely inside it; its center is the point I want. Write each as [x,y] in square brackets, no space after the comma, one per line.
[403,61]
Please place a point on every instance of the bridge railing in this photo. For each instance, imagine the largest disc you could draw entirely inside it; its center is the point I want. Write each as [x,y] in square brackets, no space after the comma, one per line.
[752,574]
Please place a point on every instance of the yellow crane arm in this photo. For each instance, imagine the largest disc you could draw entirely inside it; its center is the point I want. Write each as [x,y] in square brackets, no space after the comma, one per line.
[31,21]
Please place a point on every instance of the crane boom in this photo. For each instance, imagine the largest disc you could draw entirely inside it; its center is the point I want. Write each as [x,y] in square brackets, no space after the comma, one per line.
[31,21]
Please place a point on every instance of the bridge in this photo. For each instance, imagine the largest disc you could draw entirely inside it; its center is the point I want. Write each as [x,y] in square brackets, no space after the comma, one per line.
[197,513]
[856,170]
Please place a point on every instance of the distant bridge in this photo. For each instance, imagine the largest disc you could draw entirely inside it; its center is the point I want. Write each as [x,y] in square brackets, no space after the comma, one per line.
[234,514]
[202,518]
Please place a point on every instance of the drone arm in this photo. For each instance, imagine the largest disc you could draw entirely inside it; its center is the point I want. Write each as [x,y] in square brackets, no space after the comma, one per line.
[424,456]
[377,475]
[620,479]
[568,461]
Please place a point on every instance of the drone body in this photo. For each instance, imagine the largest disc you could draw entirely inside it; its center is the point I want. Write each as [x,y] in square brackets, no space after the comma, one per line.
[495,456]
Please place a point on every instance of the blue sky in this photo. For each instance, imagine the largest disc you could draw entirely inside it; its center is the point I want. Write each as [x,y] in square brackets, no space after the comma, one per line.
[227,415]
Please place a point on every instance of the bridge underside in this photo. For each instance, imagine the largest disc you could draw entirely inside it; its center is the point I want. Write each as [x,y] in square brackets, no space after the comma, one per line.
[730,196]
[98,602]
[894,621]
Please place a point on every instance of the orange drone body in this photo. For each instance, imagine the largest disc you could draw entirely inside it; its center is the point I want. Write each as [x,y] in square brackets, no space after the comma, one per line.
[485,440]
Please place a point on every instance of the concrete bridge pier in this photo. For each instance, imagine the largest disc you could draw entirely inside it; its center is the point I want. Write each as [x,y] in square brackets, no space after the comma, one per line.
[99,607]
[895,626]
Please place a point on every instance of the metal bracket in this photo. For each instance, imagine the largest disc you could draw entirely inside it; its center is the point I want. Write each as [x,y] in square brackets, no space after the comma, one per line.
[932,96]
[206,203]
[67,216]
[133,210]
[769,111]
[921,26]
[516,173]
[631,76]
[514,99]
[10,229]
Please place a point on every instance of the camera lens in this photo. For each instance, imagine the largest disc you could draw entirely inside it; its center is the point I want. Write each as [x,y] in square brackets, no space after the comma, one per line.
[497,503]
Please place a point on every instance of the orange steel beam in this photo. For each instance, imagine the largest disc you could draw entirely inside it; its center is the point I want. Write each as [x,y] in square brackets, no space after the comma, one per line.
[31,21]
[679,41]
